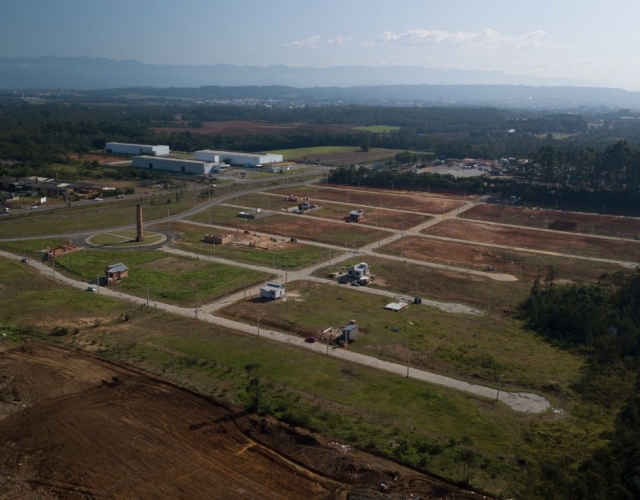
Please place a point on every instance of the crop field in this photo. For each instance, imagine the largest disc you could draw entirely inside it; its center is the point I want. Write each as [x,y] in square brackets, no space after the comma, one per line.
[414,202]
[568,244]
[171,279]
[299,226]
[290,256]
[245,127]
[336,155]
[524,265]
[379,128]
[606,225]
[453,344]
[375,217]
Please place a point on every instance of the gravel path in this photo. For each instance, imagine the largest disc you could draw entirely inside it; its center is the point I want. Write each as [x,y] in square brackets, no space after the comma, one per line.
[523,402]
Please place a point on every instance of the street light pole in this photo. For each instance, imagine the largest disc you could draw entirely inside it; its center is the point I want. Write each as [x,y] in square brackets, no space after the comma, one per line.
[499,384]
[408,362]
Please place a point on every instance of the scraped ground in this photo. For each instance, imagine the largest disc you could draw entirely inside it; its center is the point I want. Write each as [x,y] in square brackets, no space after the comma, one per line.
[73,426]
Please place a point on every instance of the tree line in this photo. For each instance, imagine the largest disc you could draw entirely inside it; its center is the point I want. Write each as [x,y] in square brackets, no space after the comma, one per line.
[602,320]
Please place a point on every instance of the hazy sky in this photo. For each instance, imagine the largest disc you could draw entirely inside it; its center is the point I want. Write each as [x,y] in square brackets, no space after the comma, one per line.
[591,41]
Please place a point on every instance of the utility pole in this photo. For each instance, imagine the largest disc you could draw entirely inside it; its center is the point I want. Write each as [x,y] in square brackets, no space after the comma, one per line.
[147,294]
[499,384]
[98,282]
[329,256]
[196,306]
[259,317]
[244,283]
[408,362]
[53,262]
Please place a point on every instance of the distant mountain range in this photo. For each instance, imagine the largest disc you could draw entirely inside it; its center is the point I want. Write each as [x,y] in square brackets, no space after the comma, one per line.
[349,83]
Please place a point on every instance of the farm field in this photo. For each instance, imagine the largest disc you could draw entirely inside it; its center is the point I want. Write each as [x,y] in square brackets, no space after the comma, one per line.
[462,346]
[508,261]
[177,444]
[171,279]
[414,203]
[375,217]
[568,244]
[606,225]
[334,233]
[244,127]
[336,155]
[287,256]
[379,128]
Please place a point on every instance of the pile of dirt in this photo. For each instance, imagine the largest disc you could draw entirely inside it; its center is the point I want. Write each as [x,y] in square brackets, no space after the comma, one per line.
[83,427]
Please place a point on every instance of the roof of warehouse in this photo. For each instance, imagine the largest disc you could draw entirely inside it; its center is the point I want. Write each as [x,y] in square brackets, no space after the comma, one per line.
[175,160]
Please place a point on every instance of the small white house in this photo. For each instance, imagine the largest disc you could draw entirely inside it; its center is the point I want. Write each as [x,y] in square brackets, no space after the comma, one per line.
[272,291]
[359,270]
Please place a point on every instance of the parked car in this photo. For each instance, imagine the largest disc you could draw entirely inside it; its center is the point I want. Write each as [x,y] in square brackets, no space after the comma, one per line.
[25,259]
[310,340]
[91,288]
[35,206]
[97,199]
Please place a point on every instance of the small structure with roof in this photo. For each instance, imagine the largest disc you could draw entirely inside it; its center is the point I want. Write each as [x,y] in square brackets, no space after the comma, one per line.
[359,270]
[272,291]
[116,272]
[356,215]
[348,333]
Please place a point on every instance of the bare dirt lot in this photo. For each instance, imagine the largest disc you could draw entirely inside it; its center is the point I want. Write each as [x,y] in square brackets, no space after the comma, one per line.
[298,226]
[567,244]
[335,211]
[77,427]
[607,225]
[422,203]
[501,260]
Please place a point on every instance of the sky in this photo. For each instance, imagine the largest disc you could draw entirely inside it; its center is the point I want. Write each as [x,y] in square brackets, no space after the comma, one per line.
[590,42]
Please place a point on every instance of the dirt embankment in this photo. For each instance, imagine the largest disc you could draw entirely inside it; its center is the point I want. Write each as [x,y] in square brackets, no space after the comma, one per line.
[73,426]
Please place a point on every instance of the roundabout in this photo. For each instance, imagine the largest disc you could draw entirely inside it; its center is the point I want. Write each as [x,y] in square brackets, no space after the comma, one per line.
[125,239]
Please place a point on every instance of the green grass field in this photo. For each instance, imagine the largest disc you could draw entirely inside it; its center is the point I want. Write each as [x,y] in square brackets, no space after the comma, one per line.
[293,256]
[171,279]
[459,345]
[415,422]
[300,153]
[124,239]
[379,128]
[94,216]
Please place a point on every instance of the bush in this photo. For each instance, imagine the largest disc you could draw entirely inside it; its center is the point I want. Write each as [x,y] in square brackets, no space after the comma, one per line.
[60,331]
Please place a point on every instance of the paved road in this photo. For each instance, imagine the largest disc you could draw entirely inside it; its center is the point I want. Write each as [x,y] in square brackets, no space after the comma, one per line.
[523,402]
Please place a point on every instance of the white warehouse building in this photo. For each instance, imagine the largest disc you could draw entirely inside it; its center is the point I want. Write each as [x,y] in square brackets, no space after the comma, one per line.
[176,165]
[235,158]
[136,149]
